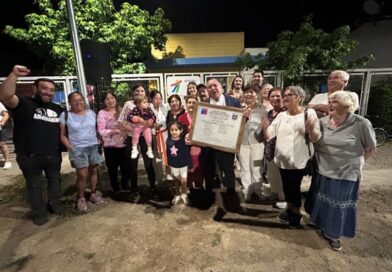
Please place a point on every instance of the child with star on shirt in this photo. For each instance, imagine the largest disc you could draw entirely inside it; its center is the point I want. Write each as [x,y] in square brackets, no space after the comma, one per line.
[179,160]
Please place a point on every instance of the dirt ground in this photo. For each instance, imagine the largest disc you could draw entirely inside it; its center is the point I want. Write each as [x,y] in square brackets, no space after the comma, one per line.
[122,235]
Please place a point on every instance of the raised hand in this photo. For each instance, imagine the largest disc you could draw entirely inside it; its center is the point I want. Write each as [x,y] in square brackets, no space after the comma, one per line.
[247,111]
[20,70]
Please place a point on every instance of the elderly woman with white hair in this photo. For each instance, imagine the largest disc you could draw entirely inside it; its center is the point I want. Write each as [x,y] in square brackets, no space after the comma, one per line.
[291,150]
[348,139]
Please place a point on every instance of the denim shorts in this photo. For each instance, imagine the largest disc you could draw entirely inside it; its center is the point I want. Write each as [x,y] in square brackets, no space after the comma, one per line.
[81,157]
[3,136]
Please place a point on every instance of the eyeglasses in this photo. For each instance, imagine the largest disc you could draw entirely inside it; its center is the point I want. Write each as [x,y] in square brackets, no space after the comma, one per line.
[289,95]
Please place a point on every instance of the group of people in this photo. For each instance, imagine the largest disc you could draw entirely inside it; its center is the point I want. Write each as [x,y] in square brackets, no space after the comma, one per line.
[279,138]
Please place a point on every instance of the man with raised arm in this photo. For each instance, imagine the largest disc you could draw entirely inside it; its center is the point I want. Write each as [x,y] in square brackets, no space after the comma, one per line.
[37,140]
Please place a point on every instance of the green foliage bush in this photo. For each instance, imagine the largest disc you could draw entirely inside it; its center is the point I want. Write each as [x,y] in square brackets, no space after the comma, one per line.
[130,33]
[379,108]
[306,50]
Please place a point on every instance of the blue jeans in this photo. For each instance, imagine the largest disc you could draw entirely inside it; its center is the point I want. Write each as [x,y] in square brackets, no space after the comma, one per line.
[32,168]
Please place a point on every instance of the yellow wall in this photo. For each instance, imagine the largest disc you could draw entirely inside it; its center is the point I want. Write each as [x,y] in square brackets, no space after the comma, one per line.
[208,69]
[204,44]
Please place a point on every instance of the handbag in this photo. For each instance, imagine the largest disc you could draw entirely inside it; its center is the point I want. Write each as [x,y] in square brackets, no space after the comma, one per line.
[201,198]
[310,168]
[311,165]
[269,151]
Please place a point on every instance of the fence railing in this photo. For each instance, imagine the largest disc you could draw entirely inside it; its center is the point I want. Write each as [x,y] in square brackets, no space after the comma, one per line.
[365,82]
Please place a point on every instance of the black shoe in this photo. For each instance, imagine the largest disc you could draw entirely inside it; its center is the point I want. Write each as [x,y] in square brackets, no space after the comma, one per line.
[135,197]
[57,210]
[295,220]
[285,216]
[219,214]
[40,220]
[333,243]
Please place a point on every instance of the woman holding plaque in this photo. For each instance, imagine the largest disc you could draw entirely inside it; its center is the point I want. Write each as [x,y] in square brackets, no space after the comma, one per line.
[252,150]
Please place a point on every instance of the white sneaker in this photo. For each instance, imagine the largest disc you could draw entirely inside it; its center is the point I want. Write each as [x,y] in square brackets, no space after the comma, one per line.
[134,153]
[169,177]
[185,199]
[7,165]
[176,199]
[280,205]
[266,185]
[149,153]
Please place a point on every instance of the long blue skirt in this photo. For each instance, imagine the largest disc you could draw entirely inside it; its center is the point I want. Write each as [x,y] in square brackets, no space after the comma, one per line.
[335,206]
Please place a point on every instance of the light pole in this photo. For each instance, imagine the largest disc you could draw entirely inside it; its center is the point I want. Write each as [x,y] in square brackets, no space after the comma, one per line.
[77,52]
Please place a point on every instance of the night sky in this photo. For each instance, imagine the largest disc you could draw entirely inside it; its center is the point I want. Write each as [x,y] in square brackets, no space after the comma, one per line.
[261,21]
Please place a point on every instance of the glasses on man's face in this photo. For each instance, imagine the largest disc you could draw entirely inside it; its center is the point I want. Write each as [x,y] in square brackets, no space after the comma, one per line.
[288,95]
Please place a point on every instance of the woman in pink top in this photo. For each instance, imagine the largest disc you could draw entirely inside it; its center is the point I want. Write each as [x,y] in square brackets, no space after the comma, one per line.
[113,141]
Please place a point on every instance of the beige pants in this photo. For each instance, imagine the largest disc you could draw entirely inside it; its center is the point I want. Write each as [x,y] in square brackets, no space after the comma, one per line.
[250,157]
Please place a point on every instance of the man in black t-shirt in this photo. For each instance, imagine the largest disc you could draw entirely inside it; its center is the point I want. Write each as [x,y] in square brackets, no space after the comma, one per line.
[36,139]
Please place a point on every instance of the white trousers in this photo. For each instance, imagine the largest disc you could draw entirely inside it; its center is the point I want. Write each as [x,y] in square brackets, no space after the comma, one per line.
[250,157]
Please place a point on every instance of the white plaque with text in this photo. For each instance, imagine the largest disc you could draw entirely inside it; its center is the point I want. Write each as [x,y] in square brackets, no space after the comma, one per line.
[218,127]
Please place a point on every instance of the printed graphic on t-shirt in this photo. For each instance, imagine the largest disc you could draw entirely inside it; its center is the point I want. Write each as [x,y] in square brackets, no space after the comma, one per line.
[46,115]
[173,151]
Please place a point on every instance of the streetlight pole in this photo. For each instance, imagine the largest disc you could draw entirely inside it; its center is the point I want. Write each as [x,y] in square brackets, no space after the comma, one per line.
[77,51]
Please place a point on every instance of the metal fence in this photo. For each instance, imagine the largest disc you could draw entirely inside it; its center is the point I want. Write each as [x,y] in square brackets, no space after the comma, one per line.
[365,82]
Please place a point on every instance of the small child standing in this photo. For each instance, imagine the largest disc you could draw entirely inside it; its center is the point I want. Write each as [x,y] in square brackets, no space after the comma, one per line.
[143,119]
[179,159]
